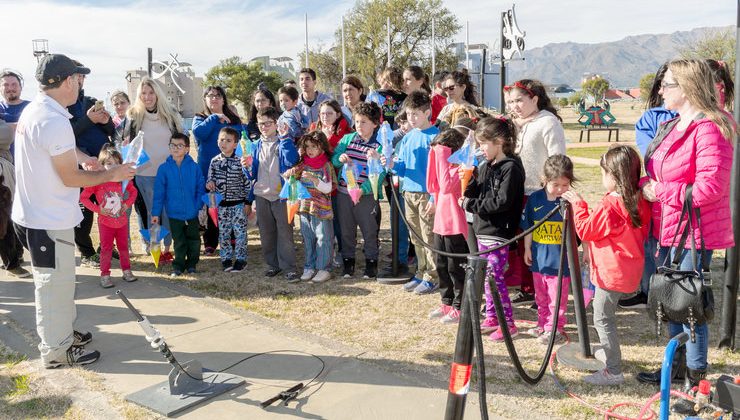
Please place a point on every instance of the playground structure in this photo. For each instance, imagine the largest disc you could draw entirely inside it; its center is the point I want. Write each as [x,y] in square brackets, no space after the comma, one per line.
[596,118]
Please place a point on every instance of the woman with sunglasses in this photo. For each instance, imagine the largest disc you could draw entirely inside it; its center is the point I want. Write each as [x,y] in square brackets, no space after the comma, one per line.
[694,149]
[539,135]
[217,114]
[461,101]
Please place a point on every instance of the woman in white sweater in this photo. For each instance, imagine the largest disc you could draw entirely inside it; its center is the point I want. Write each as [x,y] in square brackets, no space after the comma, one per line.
[539,135]
[151,114]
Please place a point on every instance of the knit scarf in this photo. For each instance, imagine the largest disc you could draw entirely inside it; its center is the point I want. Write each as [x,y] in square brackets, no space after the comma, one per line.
[317,162]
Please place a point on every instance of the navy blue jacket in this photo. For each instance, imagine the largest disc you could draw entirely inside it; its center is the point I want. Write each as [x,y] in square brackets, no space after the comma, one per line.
[178,189]
[89,137]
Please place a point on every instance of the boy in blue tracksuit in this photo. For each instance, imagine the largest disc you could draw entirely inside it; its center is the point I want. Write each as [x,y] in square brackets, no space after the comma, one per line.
[273,155]
[412,157]
[178,187]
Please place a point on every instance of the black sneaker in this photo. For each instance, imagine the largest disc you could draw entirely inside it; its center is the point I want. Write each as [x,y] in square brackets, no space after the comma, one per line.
[81,338]
[292,277]
[371,269]
[637,301]
[272,272]
[238,266]
[191,270]
[93,261]
[75,356]
[349,268]
[226,265]
[521,298]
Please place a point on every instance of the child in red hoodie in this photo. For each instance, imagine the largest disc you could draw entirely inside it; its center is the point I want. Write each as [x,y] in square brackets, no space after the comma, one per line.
[112,205]
[615,231]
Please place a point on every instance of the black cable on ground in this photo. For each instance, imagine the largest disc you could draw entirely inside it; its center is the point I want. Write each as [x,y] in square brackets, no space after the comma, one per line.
[323,364]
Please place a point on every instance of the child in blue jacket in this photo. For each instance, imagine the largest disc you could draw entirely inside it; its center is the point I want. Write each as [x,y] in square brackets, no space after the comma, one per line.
[178,187]
[273,155]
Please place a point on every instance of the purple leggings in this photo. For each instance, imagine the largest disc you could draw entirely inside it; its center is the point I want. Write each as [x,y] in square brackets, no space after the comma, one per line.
[496,267]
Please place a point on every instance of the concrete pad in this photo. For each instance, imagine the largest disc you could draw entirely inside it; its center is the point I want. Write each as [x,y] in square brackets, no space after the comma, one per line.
[219,336]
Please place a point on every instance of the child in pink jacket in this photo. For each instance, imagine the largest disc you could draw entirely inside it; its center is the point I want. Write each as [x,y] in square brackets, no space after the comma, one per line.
[111,205]
[450,229]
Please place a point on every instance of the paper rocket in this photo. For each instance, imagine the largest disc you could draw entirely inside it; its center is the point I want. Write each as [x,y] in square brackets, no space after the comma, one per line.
[246,146]
[465,157]
[374,169]
[154,236]
[350,173]
[385,135]
[134,153]
[211,200]
[293,191]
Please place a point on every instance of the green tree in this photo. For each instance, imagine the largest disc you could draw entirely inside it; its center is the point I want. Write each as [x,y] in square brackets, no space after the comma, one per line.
[328,67]
[240,79]
[595,87]
[646,84]
[563,102]
[366,39]
[575,97]
[718,44]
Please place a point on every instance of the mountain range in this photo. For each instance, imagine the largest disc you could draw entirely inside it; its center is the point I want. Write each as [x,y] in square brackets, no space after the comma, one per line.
[621,62]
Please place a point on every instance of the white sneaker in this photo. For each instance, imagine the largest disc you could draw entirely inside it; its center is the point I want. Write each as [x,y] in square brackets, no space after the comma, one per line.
[308,273]
[321,276]
[603,377]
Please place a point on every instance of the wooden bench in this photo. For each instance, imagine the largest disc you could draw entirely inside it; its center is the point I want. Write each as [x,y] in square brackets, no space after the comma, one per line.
[589,130]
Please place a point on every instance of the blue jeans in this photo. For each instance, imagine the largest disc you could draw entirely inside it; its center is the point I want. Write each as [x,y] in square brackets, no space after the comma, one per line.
[145,184]
[696,353]
[651,263]
[317,242]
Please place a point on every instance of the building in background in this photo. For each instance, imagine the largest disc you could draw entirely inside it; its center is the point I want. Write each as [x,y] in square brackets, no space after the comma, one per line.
[184,90]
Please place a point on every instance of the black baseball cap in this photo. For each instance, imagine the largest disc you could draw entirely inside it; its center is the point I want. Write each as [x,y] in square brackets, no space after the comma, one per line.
[54,68]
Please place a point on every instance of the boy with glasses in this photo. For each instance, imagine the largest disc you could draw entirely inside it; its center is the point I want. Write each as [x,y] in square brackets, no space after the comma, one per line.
[273,155]
[178,188]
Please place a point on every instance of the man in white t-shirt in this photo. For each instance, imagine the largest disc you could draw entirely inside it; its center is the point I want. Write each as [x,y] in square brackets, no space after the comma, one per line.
[45,209]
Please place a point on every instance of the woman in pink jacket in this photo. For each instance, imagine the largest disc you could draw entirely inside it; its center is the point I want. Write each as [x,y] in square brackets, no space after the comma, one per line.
[692,149]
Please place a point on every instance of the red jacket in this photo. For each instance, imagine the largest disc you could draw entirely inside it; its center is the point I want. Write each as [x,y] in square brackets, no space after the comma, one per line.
[112,199]
[700,156]
[615,246]
[444,185]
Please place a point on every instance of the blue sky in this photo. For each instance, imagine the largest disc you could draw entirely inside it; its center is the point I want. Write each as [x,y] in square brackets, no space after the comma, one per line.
[112,36]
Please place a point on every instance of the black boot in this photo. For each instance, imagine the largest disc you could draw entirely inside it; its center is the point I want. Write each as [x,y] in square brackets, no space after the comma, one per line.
[371,269]
[686,407]
[678,370]
[349,268]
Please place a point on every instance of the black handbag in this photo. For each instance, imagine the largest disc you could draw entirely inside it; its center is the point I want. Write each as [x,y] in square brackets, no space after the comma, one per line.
[683,296]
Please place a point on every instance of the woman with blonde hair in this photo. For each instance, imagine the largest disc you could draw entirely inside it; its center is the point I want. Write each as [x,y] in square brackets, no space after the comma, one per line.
[694,150]
[152,115]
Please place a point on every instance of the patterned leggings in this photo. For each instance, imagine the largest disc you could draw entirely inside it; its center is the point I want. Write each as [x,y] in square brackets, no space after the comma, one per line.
[232,218]
[496,267]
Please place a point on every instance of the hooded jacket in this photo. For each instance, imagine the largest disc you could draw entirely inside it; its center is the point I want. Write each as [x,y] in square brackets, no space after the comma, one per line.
[615,246]
[496,198]
[89,137]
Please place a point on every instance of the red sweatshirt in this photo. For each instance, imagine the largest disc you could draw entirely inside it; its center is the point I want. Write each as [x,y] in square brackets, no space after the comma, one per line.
[112,199]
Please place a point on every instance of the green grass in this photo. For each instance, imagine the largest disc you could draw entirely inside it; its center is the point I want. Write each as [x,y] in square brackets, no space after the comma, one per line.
[21,385]
[588,152]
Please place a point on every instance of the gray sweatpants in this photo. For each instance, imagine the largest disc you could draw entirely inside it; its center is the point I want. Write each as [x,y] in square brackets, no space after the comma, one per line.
[605,321]
[276,235]
[363,215]
[53,266]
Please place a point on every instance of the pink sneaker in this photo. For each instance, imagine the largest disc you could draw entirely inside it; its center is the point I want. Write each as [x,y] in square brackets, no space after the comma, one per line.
[488,325]
[452,317]
[440,311]
[498,335]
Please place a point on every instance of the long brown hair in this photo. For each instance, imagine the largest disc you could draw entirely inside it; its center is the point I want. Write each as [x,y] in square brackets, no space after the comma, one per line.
[623,164]
[333,104]
[234,118]
[696,80]
[491,129]
[534,88]
[316,137]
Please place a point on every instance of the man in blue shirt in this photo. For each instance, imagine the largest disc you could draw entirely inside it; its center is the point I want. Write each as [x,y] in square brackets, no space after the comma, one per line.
[93,127]
[11,104]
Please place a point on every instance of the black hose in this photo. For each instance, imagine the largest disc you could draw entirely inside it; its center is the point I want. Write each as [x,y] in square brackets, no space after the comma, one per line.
[553,334]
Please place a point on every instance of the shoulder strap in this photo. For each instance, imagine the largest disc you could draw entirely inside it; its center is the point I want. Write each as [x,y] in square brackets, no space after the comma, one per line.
[689,231]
